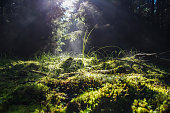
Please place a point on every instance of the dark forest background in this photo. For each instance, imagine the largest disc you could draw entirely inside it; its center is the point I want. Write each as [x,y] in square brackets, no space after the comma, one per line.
[26,28]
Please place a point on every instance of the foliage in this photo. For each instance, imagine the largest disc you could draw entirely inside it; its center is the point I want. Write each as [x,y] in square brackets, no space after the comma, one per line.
[27,22]
[70,27]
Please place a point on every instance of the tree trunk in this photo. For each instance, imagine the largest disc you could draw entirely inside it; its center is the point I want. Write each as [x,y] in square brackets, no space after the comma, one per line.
[152,12]
[1,11]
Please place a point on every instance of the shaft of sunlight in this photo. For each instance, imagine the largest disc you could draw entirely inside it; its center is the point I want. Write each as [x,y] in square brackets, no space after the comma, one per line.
[69,5]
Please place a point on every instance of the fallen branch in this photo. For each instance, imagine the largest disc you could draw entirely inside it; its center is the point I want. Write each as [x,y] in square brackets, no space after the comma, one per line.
[66,75]
[37,72]
[110,71]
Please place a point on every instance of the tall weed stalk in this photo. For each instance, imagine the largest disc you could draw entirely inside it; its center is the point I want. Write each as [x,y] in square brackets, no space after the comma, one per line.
[85,39]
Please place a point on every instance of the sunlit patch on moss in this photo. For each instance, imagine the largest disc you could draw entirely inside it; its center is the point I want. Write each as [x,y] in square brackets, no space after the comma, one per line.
[73,84]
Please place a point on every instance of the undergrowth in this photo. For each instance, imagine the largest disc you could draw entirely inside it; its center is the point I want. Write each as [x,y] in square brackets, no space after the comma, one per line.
[67,84]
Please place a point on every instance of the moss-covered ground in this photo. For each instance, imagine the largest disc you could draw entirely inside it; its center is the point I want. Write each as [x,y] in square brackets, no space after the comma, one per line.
[50,84]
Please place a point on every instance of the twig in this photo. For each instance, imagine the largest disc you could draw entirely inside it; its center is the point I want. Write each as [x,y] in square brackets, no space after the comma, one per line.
[38,72]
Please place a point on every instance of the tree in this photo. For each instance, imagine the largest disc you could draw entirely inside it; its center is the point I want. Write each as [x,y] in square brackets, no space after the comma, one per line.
[26,25]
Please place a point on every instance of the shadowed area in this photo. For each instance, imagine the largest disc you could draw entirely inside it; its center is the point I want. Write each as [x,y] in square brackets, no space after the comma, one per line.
[117,26]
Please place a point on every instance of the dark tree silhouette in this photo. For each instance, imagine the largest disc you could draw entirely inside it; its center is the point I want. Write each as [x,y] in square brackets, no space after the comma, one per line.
[26,25]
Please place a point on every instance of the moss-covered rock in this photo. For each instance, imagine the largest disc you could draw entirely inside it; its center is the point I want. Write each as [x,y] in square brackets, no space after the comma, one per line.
[71,65]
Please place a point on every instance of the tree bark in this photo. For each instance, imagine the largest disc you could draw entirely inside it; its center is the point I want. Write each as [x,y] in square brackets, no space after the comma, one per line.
[152,12]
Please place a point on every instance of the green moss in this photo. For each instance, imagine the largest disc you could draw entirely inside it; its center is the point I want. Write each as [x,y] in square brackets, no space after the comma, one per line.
[93,99]
[71,65]
[140,106]
[29,94]
[67,84]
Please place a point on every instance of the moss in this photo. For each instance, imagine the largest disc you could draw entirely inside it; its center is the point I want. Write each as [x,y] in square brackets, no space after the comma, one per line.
[73,107]
[94,99]
[79,85]
[106,65]
[72,86]
[141,106]
[29,94]
[71,65]
[120,69]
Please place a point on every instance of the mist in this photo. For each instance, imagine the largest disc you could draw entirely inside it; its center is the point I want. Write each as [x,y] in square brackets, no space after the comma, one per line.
[50,25]
[115,25]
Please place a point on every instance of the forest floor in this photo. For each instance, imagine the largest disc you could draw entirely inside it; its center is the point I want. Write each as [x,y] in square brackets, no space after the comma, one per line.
[51,84]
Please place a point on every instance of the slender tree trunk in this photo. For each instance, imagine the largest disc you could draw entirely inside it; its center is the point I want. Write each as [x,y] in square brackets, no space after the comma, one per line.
[152,12]
[168,15]
[1,11]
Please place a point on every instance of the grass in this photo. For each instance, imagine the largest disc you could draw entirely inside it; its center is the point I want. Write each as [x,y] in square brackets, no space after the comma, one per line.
[85,39]
[67,84]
